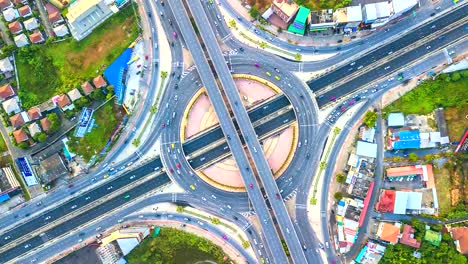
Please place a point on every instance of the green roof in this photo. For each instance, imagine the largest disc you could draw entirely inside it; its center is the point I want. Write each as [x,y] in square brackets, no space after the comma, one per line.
[302,15]
[296,30]
[433,237]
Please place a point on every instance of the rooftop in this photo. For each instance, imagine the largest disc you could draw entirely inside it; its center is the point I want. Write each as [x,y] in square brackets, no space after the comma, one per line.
[388,232]
[99,81]
[6,91]
[286,8]
[460,235]
[407,237]
[396,120]
[366,149]
[63,101]
[53,167]
[20,135]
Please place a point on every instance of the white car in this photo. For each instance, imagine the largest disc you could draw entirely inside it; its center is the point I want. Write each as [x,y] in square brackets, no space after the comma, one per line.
[74,206]
[109,188]
[132,177]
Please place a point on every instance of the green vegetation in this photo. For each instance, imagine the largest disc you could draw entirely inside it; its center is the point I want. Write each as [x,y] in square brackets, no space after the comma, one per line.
[338,196]
[370,119]
[413,157]
[285,247]
[54,122]
[443,186]
[3,146]
[445,253]
[340,178]
[445,91]
[253,12]
[175,246]
[262,5]
[107,118]
[53,68]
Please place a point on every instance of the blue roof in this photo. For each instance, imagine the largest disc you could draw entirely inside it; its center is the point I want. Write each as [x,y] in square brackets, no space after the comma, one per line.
[409,135]
[115,74]
[4,197]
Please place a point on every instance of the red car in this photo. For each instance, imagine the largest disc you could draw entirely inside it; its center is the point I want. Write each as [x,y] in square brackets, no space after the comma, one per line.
[251,186]
[146,57]
[178,165]
[163,125]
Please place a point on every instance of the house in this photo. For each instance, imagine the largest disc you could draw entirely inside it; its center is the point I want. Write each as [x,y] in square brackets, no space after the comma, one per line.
[45,124]
[31,24]
[17,120]
[388,232]
[285,9]
[87,88]
[321,20]
[34,113]
[376,13]
[61,30]
[300,22]
[10,14]
[74,95]
[64,102]
[52,168]
[366,149]
[460,235]
[6,91]
[20,135]
[99,82]
[4,4]
[348,18]
[399,7]
[36,37]
[15,27]
[55,18]
[25,11]
[396,120]
[407,237]
[6,66]
[84,16]
[21,40]
[17,2]
[11,106]
[34,128]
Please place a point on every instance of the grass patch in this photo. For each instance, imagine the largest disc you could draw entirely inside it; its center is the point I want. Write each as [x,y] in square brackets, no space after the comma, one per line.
[443,186]
[176,246]
[456,121]
[3,146]
[53,68]
[107,118]
[446,91]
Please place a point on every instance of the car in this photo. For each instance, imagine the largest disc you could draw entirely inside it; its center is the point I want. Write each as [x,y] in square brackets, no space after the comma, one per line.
[120,221]
[178,172]
[277,77]
[278,196]
[327,245]
[352,102]
[241,49]
[268,73]
[110,188]
[428,47]
[140,216]
[47,218]
[87,198]
[178,165]
[276,70]
[163,125]
[400,76]
[192,187]
[386,68]
[27,245]
[257,65]
[333,98]
[98,228]
[432,14]
[174,34]
[360,67]
[204,199]
[38,203]
[224,237]
[74,206]
[307,155]
[106,176]
[127,196]
[352,63]
[304,247]
[251,186]
[7,237]
[132,177]
[71,185]
[171,170]
[121,168]
[130,164]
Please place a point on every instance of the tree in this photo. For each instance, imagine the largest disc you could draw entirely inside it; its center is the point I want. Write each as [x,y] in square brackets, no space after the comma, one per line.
[215,221]
[370,119]
[341,178]
[82,102]
[397,159]
[263,44]
[456,76]
[136,142]
[23,145]
[232,23]
[279,30]
[245,244]
[336,130]
[97,95]
[164,74]
[40,137]
[180,209]
[413,157]
[298,56]
[338,196]
[253,12]
[323,165]
[54,122]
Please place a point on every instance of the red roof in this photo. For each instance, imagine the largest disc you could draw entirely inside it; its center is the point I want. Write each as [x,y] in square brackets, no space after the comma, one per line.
[63,101]
[407,237]
[55,17]
[4,3]
[20,135]
[460,235]
[430,177]
[99,82]
[6,91]
[17,2]
[36,37]
[45,124]
[366,204]
[17,120]
[24,10]
[388,232]
[386,202]
[34,113]
[15,27]
[87,88]
[404,171]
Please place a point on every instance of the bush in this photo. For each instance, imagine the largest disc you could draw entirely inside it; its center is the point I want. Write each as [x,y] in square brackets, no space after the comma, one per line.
[23,145]
[54,122]
[338,196]
[341,178]
[413,157]
[370,119]
[40,137]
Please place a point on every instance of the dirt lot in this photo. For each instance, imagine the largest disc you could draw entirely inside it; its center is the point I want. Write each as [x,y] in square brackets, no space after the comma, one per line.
[456,121]
[444,194]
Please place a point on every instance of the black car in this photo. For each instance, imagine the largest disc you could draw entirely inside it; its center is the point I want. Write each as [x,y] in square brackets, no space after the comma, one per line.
[241,49]
[149,14]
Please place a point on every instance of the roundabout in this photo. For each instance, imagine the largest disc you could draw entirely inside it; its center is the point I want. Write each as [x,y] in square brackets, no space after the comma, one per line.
[194,150]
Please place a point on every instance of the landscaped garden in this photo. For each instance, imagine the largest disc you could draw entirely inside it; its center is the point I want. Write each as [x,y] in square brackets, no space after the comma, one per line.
[53,68]
[176,246]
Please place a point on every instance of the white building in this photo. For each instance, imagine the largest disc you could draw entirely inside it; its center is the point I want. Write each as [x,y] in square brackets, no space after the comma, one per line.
[85,15]
[376,13]
[398,7]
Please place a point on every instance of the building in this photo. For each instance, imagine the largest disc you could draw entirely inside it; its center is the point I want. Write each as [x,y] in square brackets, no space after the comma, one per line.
[36,37]
[108,254]
[20,136]
[87,88]
[15,27]
[55,18]
[4,4]
[45,124]
[74,95]
[64,102]
[34,129]
[460,235]
[403,139]
[52,168]
[442,126]
[367,134]
[34,113]
[47,106]
[19,119]
[433,237]
[348,18]
[408,202]
[25,11]
[388,232]
[8,179]
[376,13]
[396,120]
[10,14]
[371,253]
[11,106]
[366,149]
[21,40]
[61,30]
[99,82]
[399,7]
[85,15]
[6,91]
[321,20]
[407,237]
[300,22]
[31,24]
[285,9]
[386,202]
